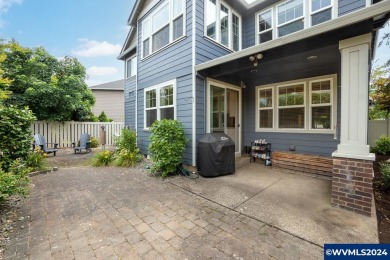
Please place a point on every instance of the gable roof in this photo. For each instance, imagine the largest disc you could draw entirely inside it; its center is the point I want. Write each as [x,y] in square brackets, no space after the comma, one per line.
[113,85]
[129,45]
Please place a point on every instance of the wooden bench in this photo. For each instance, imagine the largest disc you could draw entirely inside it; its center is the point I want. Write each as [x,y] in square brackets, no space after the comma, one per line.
[312,164]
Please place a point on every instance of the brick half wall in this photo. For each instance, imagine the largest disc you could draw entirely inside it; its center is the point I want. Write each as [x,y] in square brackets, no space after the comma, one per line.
[352,185]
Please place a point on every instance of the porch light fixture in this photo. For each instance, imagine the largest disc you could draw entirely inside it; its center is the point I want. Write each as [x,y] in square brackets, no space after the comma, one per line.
[255,58]
[310,58]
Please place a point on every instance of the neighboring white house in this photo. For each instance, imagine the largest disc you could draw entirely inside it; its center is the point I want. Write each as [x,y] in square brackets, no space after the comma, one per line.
[110,99]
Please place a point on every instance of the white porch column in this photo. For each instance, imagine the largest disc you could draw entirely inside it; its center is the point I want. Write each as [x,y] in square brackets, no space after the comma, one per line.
[352,162]
[354,98]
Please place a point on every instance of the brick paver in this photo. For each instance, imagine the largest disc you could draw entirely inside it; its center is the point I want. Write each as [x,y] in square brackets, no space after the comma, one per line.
[116,213]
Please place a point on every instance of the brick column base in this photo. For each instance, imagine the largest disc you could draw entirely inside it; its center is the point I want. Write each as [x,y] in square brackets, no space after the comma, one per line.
[352,185]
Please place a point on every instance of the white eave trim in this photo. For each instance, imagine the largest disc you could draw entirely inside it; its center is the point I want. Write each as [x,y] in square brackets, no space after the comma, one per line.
[123,54]
[348,19]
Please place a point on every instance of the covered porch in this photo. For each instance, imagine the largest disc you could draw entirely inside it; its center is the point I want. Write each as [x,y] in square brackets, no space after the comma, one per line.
[290,83]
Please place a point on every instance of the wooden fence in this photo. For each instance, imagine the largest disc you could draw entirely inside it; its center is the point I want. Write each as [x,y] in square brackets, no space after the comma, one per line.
[376,128]
[64,133]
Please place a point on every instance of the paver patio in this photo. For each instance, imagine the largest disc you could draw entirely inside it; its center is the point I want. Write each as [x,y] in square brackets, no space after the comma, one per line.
[117,213]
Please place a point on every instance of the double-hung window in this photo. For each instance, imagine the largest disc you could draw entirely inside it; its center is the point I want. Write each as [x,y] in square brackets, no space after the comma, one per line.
[160,102]
[321,104]
[290,16]
[306,105]
[222,24]
[131,67]
[264,23]
[291,106]
[321,11]
[266,111]
[163,26]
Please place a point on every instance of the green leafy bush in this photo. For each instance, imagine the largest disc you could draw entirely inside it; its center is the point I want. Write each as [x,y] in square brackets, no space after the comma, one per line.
[167,144]
[382,145]
[127,154]
[126,158]
[385,173]
[94,142]
[15,134]
[127,140]
[15,181]
[104,158]
[36,160]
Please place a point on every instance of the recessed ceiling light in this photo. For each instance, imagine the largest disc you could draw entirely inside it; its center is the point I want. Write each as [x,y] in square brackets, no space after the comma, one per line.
[253,71]
[311,58]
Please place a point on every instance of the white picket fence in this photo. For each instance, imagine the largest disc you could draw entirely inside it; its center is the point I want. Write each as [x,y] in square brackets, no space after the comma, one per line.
[64,133]
[376,128]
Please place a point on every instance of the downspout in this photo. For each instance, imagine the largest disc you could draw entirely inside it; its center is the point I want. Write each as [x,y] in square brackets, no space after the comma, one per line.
[193,83]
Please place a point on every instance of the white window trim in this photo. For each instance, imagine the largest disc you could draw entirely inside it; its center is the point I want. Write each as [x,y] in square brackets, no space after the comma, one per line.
[307,105]
[257,20]
[218,25]
[158,107]
[306,17]
[322,104]
[293,20]
[294,106]
[129,59]
[171,19]
[331,6]
[265,108]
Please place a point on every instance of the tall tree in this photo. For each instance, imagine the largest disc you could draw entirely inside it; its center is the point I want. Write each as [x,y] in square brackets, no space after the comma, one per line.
[53,89]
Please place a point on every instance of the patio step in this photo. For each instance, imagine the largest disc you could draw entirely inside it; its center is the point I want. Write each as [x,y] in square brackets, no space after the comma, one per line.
[306,163]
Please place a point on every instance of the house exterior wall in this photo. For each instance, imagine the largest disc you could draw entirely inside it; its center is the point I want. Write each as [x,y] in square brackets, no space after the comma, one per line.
[111,102]
[172,62]
[130,98]
[175,62]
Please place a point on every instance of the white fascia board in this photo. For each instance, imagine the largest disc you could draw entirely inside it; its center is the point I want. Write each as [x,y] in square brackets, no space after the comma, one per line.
[360,15]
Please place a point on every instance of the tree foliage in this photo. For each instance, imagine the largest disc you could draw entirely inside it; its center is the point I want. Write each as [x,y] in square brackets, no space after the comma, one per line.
[53,89]
[380,93]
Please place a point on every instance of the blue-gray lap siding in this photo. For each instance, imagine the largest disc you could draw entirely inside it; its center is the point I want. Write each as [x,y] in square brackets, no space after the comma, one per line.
[174,62]
[130,86]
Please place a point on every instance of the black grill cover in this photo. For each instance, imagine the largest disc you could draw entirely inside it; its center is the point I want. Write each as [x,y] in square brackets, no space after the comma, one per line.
[216,155]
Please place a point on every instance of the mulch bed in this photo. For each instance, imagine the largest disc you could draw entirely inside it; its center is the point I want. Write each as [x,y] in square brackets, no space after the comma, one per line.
[382,202]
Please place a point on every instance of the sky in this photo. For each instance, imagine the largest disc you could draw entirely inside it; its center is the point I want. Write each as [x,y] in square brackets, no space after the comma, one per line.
[93,31]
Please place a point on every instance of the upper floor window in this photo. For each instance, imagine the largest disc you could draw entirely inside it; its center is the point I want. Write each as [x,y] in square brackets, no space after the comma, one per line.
[321,11]
[265,26]
[163,26]
[223,24]
[290,16]
[131,67]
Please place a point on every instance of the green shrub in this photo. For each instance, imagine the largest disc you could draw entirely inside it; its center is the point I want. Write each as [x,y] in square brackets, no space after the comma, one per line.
[15,181]
[126,158]
[94,142]
[167,144]
[385,173]
[103,117]
[36,160]
[382,145]
[103,158]
[127,140]
[15,134]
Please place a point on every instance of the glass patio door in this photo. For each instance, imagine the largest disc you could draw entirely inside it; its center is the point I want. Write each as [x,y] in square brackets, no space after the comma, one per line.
[224,112]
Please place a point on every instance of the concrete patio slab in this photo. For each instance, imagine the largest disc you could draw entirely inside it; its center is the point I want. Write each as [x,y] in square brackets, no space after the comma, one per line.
[297,204]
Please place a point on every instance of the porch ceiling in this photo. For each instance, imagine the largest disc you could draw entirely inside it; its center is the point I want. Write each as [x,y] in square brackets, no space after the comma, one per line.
[289,61]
